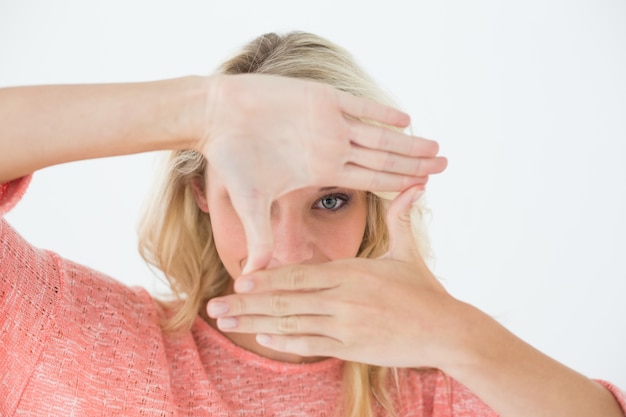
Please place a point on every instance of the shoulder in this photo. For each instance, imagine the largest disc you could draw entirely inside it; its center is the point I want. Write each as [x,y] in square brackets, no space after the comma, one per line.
[92,296]
[55,312]
[444,395]
[45,278]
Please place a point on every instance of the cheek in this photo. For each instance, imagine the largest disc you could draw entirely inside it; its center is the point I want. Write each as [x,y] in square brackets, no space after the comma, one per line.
[229,237]
[343,239]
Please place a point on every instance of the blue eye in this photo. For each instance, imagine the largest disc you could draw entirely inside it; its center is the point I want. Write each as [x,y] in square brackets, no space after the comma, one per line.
[332,202]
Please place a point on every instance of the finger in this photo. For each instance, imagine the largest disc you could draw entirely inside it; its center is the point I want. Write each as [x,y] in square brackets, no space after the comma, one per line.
[363,108]
[396,164]
[402,242]
[301,345]
[289,278]
[383,138]
[361,178]
[288,325]
[254,213]
[268,303]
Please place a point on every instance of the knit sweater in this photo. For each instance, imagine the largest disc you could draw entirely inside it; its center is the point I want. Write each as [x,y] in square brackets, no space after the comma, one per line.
[76,342]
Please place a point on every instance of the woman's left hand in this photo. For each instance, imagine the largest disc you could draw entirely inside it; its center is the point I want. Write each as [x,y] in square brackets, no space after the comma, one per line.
[389,311]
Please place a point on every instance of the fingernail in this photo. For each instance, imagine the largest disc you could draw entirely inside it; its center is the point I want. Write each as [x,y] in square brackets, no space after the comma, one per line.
[243,285]
[217,308]
[263,339]
[227,322]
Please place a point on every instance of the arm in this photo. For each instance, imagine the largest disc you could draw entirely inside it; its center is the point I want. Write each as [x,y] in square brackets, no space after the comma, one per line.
[393,312]
[243,125]
[251,128]
[515,379]
[49,125]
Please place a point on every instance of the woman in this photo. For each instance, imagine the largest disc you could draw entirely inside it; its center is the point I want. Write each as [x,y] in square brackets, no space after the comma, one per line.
[275,315]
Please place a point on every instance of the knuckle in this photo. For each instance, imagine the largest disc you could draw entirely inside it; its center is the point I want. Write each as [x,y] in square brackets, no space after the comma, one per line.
[376,182]
[278,304]
[296,279]
[384,139]
[245,323]
[389,163]
[279,343]
[317,346]
[305,348]
[418,167]
[288,324]
[239,305]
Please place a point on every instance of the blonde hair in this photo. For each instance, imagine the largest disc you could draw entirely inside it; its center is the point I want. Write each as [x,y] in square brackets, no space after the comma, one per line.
[176,237]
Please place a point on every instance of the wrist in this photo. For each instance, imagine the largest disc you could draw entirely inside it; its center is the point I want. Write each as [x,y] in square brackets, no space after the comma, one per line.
[515,379]
[189,112]
[472,334]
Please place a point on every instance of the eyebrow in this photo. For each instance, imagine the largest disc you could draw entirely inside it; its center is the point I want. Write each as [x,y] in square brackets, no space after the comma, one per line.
[328,188]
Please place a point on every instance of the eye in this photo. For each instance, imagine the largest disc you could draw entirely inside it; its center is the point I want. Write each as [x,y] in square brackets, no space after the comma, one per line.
[332,202]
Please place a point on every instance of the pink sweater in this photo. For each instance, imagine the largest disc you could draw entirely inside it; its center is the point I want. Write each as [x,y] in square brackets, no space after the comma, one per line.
[76,342]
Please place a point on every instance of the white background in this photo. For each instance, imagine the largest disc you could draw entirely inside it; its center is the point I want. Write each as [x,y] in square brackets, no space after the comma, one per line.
[527,99]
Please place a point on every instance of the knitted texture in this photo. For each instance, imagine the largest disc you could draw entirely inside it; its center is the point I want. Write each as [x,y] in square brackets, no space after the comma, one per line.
[11,192]
[76,342]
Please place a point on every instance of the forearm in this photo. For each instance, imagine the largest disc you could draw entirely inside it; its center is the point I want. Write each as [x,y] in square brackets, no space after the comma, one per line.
[42,126]
[515,379]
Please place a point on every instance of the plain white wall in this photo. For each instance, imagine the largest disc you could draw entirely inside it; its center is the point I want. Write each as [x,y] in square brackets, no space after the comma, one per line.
[527,99]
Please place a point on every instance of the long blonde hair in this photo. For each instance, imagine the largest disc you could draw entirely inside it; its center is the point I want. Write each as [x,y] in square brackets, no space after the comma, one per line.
[176,236]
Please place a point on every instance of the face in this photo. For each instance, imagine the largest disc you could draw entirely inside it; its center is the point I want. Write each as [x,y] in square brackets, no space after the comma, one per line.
[310,225]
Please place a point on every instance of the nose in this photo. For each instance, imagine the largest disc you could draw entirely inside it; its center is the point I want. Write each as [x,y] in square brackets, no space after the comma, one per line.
[293,238]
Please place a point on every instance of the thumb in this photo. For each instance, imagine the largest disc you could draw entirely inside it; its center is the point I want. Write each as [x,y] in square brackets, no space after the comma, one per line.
[402,243]
[255,218]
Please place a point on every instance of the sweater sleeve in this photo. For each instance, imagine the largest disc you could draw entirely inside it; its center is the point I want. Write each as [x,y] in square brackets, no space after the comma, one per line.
[11,192]
[620,396]
[30,289]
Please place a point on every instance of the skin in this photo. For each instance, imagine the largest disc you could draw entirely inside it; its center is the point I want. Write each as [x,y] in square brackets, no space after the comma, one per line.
[392,311]
[310,226]
[286,135]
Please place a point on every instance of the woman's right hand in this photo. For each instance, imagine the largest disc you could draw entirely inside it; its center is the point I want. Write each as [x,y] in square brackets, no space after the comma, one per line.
[268,135]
